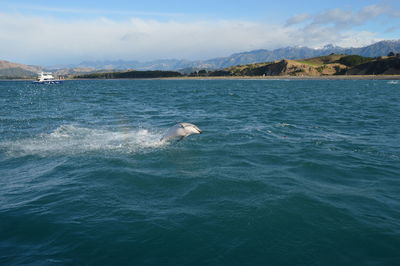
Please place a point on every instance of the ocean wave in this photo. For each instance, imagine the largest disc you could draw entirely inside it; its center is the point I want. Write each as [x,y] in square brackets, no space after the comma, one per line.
[70,139]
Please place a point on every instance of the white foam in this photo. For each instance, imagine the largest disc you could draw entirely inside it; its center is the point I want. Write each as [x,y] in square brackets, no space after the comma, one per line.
[69,139]
[284,125]
[393,82]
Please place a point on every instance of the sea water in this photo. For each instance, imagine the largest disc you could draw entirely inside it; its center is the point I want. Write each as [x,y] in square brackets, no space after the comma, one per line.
[285,173]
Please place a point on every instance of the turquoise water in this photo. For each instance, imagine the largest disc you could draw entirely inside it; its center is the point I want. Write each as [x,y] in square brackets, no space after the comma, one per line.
[285,173]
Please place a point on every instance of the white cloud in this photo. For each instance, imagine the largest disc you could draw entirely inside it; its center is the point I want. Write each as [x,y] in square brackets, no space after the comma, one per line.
[317,36]
[296,19]
[356,39]
[38,40]
[345,18]
[334,16]
[41,40]
[342,19]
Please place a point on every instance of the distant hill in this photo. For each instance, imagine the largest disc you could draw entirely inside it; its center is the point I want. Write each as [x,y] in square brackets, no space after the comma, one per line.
[381,48]
[334,64]
[15,70]
[16,73]
[256,56]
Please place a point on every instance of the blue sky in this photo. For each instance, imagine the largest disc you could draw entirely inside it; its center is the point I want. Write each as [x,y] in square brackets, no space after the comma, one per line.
[73,31]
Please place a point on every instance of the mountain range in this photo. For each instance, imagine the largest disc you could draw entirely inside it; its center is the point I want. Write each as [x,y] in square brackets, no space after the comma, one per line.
[382,48]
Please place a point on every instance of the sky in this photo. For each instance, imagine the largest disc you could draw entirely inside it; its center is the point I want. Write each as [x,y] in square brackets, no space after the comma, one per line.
[47,33]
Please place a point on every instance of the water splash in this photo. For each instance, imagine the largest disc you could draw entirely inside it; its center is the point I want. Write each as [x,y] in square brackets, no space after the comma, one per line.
[70,139]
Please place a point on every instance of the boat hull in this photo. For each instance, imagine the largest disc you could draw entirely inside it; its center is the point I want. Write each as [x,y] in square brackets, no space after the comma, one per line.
[48,82]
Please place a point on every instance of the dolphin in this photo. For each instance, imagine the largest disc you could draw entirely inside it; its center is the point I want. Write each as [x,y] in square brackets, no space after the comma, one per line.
[179,131]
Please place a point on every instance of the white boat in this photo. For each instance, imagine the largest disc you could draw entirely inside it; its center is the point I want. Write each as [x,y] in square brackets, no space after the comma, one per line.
[46,78]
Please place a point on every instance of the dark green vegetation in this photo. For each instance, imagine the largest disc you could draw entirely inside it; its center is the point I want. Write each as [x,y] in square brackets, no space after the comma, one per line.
[131,75]
[354,60]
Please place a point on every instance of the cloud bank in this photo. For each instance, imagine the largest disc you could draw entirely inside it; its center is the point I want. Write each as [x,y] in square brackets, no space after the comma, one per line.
[343,18]
[43,40]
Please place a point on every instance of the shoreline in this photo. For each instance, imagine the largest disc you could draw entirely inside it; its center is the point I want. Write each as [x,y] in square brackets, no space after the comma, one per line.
[338,77]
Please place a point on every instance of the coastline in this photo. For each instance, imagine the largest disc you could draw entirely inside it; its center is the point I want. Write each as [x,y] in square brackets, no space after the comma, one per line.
[336,77]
